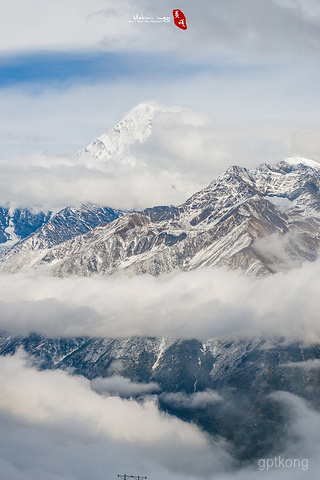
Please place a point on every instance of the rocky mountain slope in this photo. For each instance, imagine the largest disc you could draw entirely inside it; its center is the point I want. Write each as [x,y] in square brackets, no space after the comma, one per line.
[260,221]
[19,223]
[222,385]
[64,225]
[16,224]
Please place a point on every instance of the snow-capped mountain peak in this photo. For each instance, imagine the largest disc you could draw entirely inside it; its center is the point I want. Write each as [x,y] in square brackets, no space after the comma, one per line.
[135,126]
[304,161]
[224,224]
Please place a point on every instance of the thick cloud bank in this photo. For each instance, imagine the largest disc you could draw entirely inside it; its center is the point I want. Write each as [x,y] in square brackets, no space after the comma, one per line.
[198,304]
[55,427]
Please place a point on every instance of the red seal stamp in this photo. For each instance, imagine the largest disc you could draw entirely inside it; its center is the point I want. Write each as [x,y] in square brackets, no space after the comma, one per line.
[179,19]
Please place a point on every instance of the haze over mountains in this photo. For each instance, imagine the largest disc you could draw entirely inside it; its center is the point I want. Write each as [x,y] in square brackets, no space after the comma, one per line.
[144,336]
[260,221]
[18,219]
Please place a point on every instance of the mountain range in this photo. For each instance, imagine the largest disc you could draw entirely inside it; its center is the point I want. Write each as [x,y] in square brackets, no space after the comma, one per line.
[18,222]
[259,221]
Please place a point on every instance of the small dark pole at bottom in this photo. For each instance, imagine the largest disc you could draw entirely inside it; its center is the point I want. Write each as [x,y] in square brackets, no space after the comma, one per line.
[135,477]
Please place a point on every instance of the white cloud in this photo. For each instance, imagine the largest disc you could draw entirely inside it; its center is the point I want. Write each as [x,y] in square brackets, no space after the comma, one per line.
[273,245]
[309,9]
[54,426]
[306,142]
[192,400]
[197,304]
[55,182]
[122,387]
[43,25]
[303,433]
[308,364]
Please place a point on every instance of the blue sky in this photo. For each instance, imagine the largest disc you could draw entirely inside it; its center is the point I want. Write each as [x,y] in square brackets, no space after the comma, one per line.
[61,67]
[65,68]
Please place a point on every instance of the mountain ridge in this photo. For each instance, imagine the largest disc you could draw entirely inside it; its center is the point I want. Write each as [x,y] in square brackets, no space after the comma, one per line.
[217,226]
[259,220]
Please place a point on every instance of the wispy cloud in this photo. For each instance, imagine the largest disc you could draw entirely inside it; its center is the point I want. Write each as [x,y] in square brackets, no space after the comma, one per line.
[196,400]
[307,365]
[122,387]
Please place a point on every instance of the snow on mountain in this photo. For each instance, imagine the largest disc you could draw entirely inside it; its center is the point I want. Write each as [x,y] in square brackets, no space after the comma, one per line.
[304,161]
[222,225]
[135,126]
[18,223]
[64,225]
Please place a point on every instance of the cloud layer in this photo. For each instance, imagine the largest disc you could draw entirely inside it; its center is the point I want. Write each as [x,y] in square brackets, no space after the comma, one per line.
[86,435]
[54,426]
[186,150]
[272,26]
[198,304]
[198,400]
[122,387]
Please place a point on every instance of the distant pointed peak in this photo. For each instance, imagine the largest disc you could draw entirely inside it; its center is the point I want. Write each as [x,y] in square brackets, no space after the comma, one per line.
[136,125]
[236,169]
[238,173]
[140,109]
[154,106]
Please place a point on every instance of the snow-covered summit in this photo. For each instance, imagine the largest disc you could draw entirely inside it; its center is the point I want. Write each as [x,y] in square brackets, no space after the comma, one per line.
[135,126]
[259,221]
[304,161]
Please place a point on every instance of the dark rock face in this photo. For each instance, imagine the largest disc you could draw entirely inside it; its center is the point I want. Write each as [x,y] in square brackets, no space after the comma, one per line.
[41,231]
[21,222]
[27,222]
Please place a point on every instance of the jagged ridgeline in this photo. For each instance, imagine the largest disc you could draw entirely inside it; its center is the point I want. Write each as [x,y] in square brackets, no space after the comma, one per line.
[259,221]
